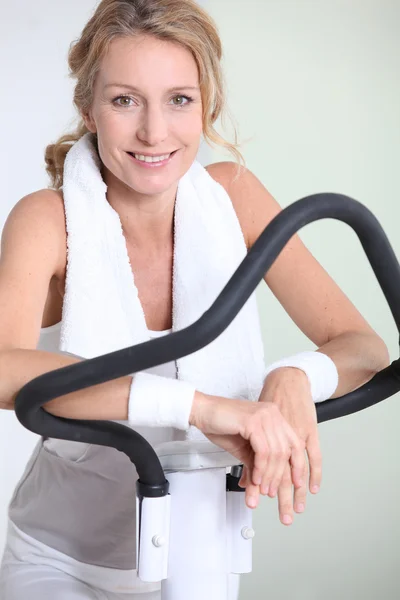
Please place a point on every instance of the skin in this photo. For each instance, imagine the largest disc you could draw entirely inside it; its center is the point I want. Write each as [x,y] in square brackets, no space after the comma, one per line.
[153,119]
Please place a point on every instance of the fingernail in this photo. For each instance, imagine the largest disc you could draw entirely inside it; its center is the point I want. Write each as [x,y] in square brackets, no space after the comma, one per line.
[300,507]
[252,501]
[315,488]
[287,519]
[265,489]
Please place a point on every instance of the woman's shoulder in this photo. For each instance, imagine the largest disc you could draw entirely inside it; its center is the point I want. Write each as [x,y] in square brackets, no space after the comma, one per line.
[50,202]
[47,198]
[47,206]
[255,207]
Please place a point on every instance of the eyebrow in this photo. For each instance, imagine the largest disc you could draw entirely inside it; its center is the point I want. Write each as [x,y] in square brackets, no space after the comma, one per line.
[131,87]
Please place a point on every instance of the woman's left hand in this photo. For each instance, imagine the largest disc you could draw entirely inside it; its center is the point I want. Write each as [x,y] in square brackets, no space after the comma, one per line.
[289,388]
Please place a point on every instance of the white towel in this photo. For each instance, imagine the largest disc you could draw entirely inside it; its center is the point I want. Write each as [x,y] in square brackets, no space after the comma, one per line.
[102,311]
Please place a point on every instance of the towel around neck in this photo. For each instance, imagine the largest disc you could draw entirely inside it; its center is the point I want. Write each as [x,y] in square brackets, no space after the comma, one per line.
[102,311]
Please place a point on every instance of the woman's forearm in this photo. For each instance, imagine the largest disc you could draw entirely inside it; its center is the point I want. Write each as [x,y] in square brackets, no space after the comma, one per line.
[105,401]
[358,356]
[108,400]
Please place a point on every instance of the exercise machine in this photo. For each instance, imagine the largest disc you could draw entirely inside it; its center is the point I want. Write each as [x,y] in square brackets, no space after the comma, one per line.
[193,526]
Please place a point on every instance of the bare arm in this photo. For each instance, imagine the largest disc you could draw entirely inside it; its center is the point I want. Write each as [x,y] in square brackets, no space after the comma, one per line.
[106,401]
[309,295]
[33,246]
[323,313]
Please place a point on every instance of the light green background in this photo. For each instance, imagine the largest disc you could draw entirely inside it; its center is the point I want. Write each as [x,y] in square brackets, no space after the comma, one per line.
[314,88]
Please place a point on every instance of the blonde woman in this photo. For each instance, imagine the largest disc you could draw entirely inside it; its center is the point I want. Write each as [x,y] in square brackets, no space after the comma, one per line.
[149,87]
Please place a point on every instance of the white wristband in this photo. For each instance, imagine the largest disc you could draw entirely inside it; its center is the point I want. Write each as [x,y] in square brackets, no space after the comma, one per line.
[319,368]
[157,401]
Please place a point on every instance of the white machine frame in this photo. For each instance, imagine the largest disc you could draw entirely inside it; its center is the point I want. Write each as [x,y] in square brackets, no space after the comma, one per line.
[193,538]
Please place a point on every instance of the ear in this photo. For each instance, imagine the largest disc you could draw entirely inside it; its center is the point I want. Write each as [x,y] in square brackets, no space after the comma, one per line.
[89,122]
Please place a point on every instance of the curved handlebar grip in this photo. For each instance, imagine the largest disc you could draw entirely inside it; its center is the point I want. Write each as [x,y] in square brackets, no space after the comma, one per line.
[46,387]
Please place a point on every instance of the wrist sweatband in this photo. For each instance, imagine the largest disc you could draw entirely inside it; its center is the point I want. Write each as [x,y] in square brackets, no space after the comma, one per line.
[157,401]
[319,368]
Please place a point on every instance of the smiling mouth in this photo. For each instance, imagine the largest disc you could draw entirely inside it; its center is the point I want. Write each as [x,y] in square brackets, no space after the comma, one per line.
[152,159]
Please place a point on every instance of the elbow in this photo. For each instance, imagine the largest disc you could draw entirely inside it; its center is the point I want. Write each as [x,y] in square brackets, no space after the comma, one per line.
[380,354]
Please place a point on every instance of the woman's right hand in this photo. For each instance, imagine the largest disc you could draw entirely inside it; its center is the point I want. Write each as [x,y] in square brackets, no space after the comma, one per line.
[255,433]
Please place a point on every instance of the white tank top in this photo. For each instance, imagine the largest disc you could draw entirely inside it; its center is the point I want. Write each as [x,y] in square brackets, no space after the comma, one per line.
[50,342]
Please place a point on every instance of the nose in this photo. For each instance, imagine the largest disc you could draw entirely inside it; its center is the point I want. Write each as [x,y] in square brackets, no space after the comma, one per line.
[153,126]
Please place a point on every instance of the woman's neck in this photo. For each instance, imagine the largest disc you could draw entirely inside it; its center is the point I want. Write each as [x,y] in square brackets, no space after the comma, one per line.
[147,221]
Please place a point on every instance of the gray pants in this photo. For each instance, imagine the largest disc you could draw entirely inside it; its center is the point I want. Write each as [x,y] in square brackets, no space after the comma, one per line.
[21,580]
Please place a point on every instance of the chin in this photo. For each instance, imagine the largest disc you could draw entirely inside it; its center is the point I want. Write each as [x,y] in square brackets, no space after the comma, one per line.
[152,188]
[156,183]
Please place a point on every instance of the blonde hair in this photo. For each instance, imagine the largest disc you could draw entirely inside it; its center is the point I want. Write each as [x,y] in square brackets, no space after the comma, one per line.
[179,21]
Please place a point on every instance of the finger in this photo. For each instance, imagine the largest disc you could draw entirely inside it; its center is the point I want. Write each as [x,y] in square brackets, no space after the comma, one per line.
[244,477]
[315,460]
[300,494]
[271,469]
[297,459]
[261,450]
[285,498]
[279,452]
[281,455]
[252,495]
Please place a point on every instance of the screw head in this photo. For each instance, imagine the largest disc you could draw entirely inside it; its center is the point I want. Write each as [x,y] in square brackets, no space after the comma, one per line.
[248,533]
[158,541]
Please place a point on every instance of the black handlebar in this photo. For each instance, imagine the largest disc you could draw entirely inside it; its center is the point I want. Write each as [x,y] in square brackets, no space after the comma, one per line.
[46,387]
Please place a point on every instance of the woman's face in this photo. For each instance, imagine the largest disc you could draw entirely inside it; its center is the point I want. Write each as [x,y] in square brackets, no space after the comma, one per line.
[146,102]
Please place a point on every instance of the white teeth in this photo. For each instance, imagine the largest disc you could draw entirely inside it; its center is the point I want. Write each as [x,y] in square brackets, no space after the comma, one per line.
[151,159]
